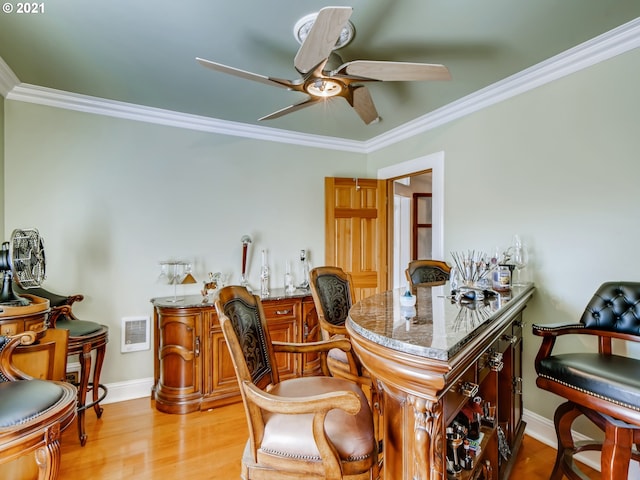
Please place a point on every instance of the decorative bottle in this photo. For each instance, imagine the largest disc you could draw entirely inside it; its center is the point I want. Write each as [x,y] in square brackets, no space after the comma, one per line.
[264,276]
[304,271]
[289,288]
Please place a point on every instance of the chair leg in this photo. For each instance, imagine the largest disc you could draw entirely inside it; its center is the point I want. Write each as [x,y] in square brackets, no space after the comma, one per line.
[563,419]
[85,370]
[97,368]
[616,452]
[48,456]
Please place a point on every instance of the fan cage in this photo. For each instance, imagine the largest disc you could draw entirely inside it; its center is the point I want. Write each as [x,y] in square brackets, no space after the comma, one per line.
[27,257]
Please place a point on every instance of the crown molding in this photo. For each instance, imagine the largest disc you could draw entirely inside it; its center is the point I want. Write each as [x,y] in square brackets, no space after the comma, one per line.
[25,92]
[608,45]
[619,40]
[8,79]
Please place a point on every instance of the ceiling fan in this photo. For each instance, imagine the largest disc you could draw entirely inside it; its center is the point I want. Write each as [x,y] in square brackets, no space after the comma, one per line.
[315,58]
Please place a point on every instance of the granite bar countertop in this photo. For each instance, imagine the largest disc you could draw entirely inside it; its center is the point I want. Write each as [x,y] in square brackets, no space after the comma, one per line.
[191,301]
[437,327]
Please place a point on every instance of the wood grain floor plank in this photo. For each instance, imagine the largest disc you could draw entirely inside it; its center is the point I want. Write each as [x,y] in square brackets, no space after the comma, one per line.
[135,441]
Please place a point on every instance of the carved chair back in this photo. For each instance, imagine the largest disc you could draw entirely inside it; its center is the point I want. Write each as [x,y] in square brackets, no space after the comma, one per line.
[333,297]
[254,358]
[427,272]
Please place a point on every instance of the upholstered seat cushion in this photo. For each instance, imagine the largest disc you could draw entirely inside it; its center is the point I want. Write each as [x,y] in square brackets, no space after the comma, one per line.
[611,377]
[337,353]
[78,328]
[291,436]
[22,400]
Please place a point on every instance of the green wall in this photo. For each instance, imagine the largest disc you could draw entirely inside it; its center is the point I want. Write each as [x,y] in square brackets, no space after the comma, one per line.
[113,197]
[558,165]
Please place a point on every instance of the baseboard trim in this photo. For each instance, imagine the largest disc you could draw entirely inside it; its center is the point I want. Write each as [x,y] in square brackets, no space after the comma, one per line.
[129,390]
[543,430]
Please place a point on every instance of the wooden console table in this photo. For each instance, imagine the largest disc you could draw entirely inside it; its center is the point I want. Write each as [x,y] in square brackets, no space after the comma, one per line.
[192,366]
[430,362]
[18,319]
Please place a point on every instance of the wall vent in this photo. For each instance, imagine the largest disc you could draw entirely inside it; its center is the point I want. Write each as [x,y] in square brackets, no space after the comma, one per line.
[135,334]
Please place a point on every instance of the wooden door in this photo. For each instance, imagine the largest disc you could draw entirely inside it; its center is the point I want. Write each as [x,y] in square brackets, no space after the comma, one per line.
[356,231]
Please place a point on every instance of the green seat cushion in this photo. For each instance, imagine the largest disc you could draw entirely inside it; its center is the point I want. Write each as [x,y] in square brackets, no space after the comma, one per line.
[78,328]
[22,400]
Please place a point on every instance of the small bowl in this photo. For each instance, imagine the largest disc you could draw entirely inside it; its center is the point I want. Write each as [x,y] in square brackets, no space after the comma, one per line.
[408,300]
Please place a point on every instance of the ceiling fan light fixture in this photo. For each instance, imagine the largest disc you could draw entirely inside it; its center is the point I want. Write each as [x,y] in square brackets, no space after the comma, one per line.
[303,26]
[323,87]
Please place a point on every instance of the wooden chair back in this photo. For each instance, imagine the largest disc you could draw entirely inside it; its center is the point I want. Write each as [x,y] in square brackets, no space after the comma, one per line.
[333,296]
[45,359]
[427,273]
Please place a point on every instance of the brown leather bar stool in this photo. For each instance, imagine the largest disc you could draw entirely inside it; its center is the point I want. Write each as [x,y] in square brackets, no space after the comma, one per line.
[84,337]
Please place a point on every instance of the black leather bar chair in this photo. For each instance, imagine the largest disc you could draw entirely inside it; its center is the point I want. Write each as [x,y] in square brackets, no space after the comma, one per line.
[604,386]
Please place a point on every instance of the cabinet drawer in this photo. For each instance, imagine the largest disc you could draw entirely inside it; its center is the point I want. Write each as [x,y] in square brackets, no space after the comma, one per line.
[454,398]
[10,328]
[281,309]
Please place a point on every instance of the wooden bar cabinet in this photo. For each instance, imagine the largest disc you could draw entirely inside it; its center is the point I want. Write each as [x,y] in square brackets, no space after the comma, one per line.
[435,361]
[192,366]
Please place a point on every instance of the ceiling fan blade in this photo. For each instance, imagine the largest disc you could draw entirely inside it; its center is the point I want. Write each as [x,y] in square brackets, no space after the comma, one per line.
[362,103]
[322,37]
[394,71]
[292,108]
[278,82]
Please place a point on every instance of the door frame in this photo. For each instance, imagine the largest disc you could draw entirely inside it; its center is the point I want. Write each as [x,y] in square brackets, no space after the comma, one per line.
[435,163]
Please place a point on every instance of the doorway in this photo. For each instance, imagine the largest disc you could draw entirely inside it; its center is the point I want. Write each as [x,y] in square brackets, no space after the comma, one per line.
[424,175]
[412,222]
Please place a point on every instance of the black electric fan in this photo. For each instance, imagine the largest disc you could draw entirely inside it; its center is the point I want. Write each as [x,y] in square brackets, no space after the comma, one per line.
[21,260]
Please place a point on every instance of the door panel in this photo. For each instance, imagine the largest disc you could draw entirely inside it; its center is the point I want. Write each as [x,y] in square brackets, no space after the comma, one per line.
[356,233]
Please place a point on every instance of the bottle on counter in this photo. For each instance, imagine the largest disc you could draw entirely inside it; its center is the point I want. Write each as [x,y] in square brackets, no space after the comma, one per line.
[304,271]
[264,276]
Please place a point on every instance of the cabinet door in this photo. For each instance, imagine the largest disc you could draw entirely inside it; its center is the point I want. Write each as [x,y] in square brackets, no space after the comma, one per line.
[179,350]
[511,382]
[283,317]
[223,383]
[310,333]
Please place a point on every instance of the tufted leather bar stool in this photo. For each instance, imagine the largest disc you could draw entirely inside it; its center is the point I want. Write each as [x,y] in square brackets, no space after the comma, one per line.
[603,386]
[33,414]
[84,338]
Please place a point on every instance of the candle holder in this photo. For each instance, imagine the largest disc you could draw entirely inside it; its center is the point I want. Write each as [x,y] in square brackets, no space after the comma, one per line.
[176,272]
[246,241]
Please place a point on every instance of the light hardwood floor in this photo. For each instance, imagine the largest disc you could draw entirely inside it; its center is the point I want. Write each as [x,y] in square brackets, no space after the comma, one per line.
[133,440]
